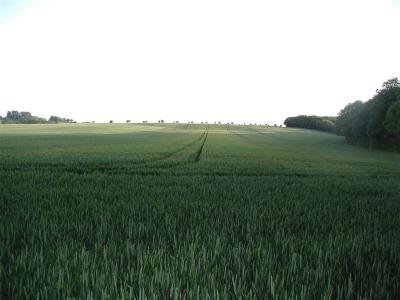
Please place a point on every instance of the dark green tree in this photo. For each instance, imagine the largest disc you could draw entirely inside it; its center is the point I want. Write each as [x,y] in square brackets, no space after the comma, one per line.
[345,121]
[373,123]
[392,119]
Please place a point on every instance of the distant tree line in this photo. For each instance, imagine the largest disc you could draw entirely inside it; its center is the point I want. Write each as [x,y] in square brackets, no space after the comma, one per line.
[312,122]
[375,123]
[24,117]
[55,119]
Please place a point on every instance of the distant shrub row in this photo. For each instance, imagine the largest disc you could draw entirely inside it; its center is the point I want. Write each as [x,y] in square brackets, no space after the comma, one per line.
[312,122]
[24,117]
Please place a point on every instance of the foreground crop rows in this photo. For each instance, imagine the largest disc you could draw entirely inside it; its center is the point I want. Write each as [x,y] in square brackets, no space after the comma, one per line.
[195,212]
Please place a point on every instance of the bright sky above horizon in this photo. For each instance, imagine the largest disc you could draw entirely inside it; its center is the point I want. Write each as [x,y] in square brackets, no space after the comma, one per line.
[210,60]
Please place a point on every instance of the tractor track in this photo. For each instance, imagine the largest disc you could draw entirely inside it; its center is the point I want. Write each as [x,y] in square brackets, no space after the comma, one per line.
[128,168]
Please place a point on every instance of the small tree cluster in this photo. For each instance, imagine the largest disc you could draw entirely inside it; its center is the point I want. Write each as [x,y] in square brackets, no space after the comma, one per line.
[25,117]
[312,122]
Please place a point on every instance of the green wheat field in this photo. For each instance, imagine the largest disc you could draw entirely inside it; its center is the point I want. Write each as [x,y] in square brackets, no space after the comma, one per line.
[177,211]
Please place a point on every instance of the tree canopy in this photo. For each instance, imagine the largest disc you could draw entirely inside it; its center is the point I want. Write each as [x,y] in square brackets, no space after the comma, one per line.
[375,123]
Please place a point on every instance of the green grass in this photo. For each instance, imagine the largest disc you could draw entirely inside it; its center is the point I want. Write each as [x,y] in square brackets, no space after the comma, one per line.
[195,212]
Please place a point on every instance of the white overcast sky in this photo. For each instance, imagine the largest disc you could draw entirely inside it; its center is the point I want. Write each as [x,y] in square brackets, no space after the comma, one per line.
[205,60]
